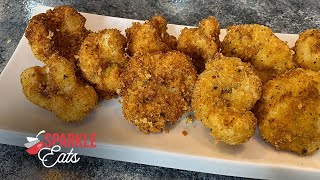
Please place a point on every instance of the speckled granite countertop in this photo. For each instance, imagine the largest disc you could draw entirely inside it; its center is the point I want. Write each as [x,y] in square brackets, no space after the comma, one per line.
[282,16]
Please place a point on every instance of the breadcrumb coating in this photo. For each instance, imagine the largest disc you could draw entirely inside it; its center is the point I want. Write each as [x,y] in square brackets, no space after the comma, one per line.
[258,45]
[307,50]
[201,43]
[59,31]
[150,37]
[102,59]
[158,89]
[56,88]
[223,96]
[289,112]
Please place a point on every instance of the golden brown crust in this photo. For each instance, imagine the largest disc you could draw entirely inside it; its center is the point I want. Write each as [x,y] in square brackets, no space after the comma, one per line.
[223,97]
[289,114]
[102,59]
[307,50]
[150,37]
[200,43]
[258,45]
[58,31]
[158,89]
[56,88]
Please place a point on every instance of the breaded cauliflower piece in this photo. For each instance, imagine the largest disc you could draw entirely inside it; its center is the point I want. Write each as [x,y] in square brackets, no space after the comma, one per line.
[223,96]
[258,45]
[289,112]
[158,89]
[102,59]
[201,43]
[150,37]
[58,31]
[56,88]
[307,50]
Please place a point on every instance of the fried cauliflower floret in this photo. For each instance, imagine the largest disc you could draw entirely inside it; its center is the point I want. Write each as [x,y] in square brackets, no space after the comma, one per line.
[307,50]
[102,59]
[289,112]
[60,31]
[56,88]
[200,43]
[258,45]
[223,96]
[150,37]
[158,89]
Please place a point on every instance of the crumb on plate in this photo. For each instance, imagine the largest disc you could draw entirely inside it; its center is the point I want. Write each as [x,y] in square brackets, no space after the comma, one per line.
[185,133]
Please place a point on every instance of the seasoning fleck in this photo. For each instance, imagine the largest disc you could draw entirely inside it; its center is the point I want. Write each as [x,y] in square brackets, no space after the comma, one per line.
[188,120]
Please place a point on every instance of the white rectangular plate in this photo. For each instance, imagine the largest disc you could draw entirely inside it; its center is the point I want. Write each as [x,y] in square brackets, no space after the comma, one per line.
[119,140]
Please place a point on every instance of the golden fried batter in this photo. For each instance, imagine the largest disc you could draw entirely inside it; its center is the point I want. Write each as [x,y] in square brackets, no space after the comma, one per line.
[150,37]
[101,60]
[223,96]
[158,89]
[258,45]
[289,112]
[200,43]
[60,31]
[307,50]
[56,88]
